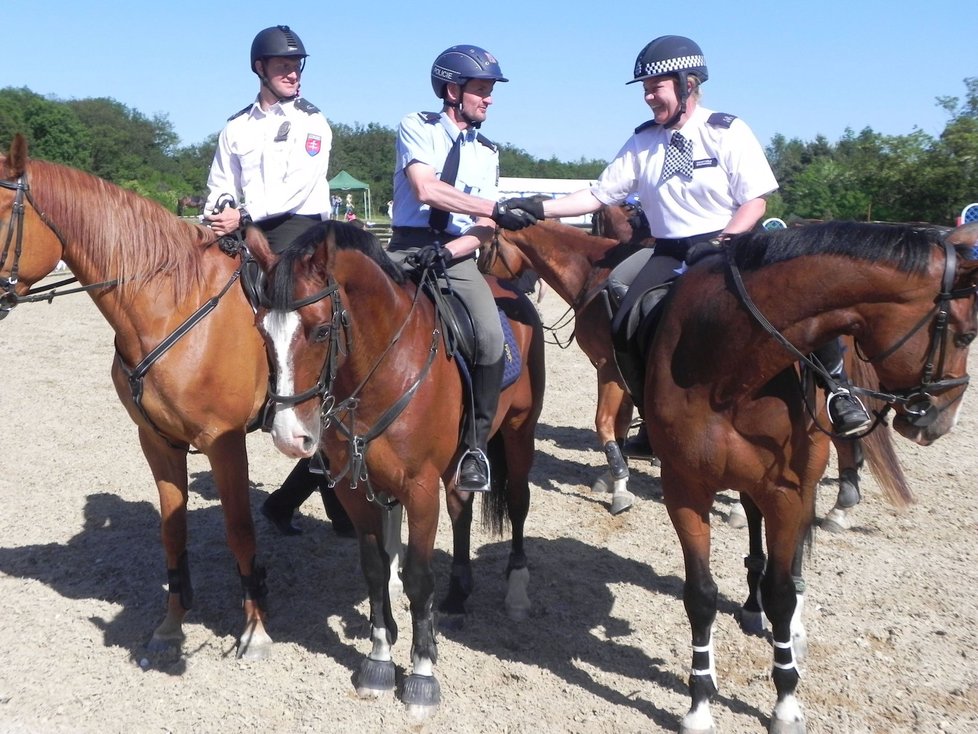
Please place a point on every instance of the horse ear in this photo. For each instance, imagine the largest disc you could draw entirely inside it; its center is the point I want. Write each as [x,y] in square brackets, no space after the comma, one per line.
[258,246]
[17,160]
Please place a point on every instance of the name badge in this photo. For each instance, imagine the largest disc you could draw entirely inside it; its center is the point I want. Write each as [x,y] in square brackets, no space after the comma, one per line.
[706,163]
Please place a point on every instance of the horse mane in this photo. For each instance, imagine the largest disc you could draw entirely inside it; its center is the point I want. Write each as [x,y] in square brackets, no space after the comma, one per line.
[130,238]
[906,247]
[343,236]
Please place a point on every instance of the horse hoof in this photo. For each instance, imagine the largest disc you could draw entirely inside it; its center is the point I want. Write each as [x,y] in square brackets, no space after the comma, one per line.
[421,695]
[752,623]
[375,678]
[254,646]
[737,518]
[621,501]
[836,521]
[787,727]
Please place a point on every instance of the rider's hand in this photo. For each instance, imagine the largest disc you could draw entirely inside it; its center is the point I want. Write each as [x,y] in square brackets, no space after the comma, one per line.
[517,213]
[224,222]
[432,256]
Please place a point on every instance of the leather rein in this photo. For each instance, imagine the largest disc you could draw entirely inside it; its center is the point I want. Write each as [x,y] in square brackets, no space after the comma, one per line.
[917,402]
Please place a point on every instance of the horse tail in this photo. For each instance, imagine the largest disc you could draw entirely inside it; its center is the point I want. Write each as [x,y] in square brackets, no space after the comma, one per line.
[495,504]
[878,445]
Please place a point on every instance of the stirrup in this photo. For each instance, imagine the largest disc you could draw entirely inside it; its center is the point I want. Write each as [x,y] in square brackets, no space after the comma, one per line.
[477,455]
[858,419]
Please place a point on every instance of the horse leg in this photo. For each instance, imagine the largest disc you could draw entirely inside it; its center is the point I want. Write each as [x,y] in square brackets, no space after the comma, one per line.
[611,419]
[460,582]
[421,694]
[228,458]
[778,596]
[169,468]
[700,600]
[850,456]
[392,521]
[376,675]
[737,518]
[514,500]
[751,615]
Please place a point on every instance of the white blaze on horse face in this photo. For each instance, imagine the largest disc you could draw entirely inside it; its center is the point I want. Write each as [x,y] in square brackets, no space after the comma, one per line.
[289,434]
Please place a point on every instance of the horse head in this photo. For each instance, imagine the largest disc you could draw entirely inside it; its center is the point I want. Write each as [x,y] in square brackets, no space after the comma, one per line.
[922,357]
[22,223]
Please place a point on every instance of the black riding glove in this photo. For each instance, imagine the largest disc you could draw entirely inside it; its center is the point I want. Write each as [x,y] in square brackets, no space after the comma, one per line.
[432,256]
[517,213]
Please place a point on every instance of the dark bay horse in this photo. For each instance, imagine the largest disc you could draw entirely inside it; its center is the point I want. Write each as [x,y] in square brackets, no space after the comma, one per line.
[363,371]
[576,265]
[150,272]
[190,202]
[724,407]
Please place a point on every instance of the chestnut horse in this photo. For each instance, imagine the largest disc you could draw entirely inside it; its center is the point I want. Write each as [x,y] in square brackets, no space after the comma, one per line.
[364,370]
[724,407]
[576,265]
[152,276]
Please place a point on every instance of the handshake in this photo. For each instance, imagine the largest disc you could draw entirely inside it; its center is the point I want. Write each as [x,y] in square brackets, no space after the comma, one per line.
[517,213]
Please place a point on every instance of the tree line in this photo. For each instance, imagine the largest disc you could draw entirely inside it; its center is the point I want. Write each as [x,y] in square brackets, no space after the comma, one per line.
[864,176]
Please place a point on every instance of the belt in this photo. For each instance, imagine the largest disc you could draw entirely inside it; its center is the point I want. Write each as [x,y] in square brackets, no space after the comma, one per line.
[677,247]
[408,237]
[278,219]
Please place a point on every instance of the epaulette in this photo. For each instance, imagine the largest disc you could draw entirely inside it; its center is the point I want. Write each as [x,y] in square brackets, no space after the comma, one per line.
[721,119]
[486,142]
[241,112]
[430,117]
[304,105]
[645,126]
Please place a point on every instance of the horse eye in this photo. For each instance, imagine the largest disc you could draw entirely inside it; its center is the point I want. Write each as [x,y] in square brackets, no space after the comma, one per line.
[320,333]
[963,340]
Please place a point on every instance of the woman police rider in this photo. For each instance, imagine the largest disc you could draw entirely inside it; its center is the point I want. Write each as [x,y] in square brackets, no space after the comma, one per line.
[701,176]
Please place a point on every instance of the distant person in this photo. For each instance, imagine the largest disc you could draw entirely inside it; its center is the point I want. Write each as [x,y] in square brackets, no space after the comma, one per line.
[337,203]
[701,176]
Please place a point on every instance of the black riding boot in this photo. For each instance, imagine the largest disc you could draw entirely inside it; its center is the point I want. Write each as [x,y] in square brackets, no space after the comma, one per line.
[846,411]
[474,468]
[284,501]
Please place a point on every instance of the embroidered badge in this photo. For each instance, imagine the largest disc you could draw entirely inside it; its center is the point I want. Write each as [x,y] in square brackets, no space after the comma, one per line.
[314,144]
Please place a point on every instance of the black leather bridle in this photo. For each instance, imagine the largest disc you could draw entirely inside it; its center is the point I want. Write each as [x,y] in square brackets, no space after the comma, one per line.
[917,402]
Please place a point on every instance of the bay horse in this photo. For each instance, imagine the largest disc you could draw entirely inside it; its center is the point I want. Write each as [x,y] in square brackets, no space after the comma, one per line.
[190,202]
[153,276]
[364,371]
[724,407]
[576,265]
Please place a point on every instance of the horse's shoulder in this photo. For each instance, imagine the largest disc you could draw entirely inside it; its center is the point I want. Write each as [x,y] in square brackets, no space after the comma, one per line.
[304,105]
[721,119]
[645,126]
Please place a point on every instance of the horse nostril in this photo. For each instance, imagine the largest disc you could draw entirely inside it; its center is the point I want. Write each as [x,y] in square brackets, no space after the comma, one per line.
[308,444]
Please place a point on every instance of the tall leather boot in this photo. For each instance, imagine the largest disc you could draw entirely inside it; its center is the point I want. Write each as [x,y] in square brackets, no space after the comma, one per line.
[283,502]
[846,412]
[474,467]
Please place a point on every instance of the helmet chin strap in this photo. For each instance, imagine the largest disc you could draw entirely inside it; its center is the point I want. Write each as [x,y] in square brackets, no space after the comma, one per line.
[461,112]
[683,84]
[268,85]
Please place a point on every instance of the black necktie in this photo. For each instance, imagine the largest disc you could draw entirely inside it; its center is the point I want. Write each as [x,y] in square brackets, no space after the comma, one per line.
[679,158]
[438,218]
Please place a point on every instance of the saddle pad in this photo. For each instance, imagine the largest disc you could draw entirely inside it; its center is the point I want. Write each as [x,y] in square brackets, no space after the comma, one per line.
[512,359]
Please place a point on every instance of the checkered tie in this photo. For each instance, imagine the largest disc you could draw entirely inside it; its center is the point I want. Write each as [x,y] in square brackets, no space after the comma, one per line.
[679,158]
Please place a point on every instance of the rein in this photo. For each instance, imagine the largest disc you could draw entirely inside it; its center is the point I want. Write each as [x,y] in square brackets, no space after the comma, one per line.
[356,465]
[917,401]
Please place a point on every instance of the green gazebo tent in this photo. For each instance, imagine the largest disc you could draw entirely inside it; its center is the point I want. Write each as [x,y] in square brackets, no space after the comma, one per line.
[344,182]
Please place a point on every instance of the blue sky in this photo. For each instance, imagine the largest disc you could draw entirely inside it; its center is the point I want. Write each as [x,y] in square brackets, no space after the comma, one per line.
[799,69]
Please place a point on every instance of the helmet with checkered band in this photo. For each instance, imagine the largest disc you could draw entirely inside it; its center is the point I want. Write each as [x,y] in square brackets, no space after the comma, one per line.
[458,64]
[670,55]
[279,40]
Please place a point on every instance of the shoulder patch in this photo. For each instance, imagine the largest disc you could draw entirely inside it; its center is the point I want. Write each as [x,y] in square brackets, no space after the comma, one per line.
[721,119]
[430,117]
[304,105]
[645,126]
[486,141]
[240,112]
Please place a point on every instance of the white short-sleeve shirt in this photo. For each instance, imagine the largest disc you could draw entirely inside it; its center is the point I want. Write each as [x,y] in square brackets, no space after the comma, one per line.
[729,168]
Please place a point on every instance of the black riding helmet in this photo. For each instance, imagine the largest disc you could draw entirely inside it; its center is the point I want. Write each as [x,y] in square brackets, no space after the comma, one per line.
[279,40]
[675,55]
[458,64]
